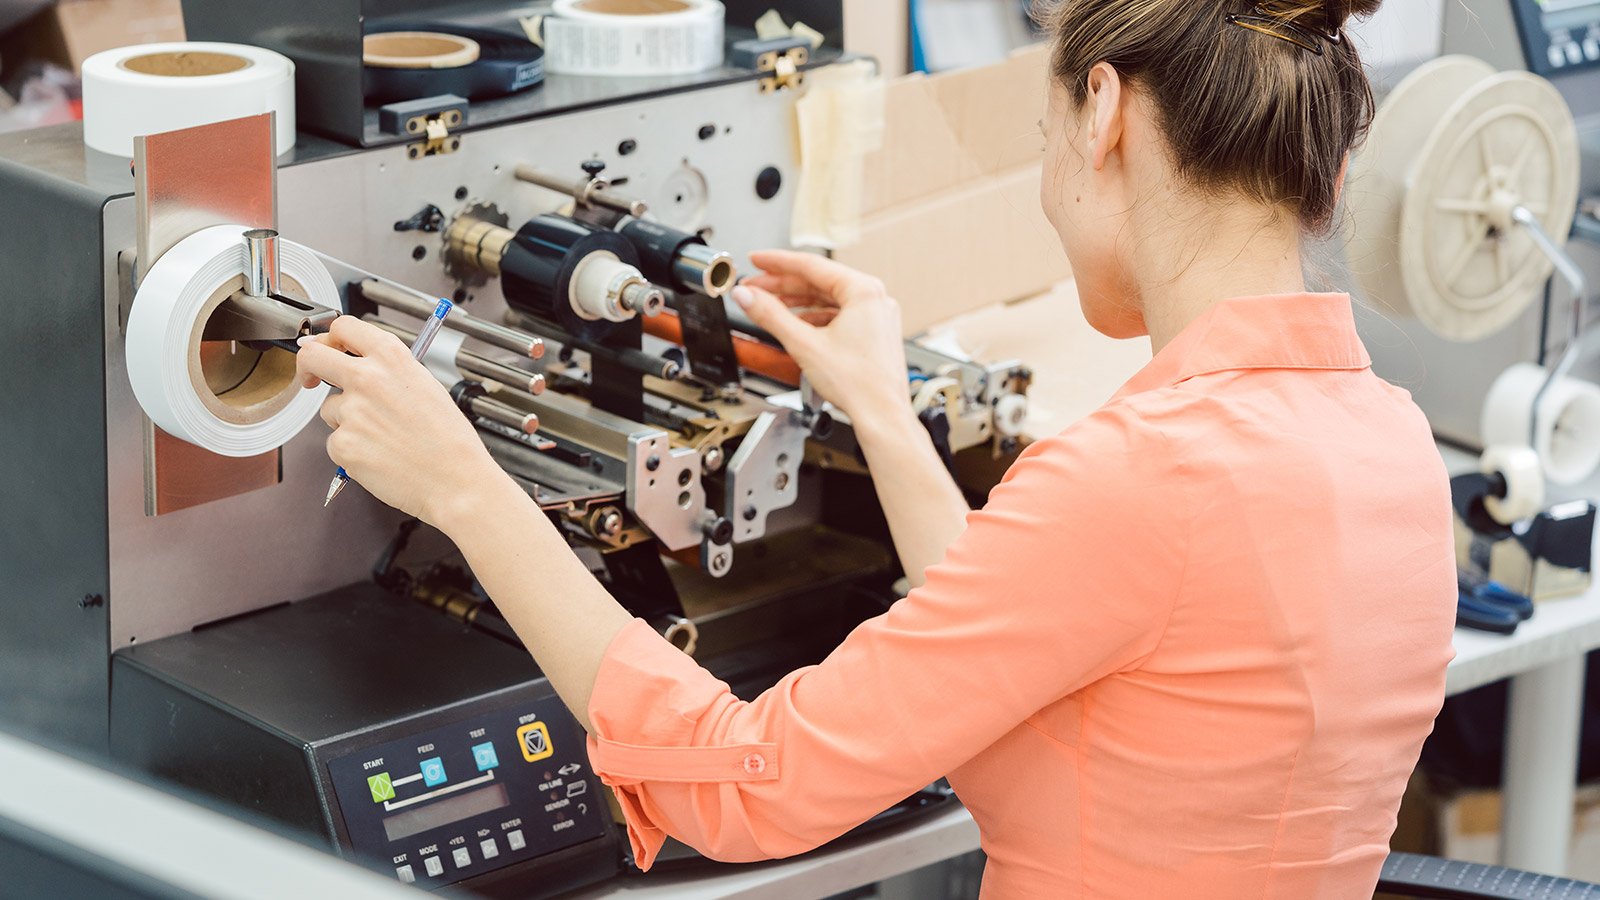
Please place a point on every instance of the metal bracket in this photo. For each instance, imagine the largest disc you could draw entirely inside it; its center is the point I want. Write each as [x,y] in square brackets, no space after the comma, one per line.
[436,127]
[764,474]
[785,68]
[664,489]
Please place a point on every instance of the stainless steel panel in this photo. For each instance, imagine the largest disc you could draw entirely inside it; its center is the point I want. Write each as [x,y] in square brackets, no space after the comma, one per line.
[172,573]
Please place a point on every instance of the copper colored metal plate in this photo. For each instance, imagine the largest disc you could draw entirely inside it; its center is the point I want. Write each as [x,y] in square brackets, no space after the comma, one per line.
[183,475]
[185,181]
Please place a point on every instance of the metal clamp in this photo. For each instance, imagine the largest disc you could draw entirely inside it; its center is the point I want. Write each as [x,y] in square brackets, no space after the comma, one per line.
[764,474]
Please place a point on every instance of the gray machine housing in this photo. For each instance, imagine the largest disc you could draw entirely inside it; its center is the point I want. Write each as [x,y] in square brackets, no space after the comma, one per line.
[85,570]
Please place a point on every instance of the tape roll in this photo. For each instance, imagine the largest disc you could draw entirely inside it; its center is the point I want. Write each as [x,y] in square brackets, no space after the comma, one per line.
[634,37]
[1524,478]
[220,396]
[505,64]
[1568,441]
[418,50]
[154,88]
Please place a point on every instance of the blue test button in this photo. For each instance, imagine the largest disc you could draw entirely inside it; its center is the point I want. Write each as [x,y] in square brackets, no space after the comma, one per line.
[433,772]
[485,756]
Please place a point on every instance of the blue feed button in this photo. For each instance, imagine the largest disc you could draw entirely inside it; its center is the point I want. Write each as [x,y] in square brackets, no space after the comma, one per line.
[485,757]
[433,772]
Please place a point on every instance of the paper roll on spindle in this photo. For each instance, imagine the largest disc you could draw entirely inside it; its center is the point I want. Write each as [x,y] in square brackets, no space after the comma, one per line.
[632,37]
[1568,438]
[154,88]
[1520,468]
[221,396]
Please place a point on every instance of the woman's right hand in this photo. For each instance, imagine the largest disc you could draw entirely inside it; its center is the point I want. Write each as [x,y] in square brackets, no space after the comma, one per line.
[841,326]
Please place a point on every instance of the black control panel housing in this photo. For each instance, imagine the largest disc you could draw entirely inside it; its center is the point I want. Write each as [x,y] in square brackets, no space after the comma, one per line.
[1559,36]
[380,730]
[490,790]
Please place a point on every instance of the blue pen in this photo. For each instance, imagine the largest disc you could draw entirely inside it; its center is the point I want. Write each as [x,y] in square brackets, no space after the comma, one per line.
[430,330]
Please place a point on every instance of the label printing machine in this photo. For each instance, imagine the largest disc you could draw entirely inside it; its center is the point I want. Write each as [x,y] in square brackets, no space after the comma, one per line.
[201,618]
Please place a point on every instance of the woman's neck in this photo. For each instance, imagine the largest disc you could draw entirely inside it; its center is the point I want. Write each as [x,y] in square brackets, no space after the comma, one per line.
[1233,254]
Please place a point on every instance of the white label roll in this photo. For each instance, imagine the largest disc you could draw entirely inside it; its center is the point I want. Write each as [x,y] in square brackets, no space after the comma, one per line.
[1568,442]
[222,396]
[634,37]
[155,88]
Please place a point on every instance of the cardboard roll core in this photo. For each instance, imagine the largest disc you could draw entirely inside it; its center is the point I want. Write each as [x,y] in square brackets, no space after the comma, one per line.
[186,64]
[633,7]
[418,50]
[236,383]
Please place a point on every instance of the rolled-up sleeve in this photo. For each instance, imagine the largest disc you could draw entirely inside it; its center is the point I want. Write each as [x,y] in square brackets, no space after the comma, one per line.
[1067,575]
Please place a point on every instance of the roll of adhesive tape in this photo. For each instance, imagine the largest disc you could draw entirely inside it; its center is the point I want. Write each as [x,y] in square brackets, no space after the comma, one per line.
[152,88]
[418,50]
[1524,477]
[1568,442]
[221,396]
[501,63]
[634,37]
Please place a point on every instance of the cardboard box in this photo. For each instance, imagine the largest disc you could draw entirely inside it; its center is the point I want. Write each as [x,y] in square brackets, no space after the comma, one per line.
[945,131]
[880,30]
[75,30]
[1075,368]
[983,243]
[951,215]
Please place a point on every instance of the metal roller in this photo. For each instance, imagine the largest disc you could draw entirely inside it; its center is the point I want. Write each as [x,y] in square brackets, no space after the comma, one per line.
[420,306]
[473,364]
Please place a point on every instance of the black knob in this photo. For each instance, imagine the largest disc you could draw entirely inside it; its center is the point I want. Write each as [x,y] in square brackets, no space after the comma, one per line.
[822,426]
[593,167]
[719,532]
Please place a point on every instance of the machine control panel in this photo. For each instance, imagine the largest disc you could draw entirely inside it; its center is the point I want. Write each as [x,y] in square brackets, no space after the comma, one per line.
[1559,36]
[453,802]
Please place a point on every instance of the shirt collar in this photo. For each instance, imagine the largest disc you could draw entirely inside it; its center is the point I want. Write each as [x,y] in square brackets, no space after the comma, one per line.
[1281,331]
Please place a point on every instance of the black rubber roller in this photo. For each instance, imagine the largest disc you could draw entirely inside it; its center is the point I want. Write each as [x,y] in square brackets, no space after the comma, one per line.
[538,266]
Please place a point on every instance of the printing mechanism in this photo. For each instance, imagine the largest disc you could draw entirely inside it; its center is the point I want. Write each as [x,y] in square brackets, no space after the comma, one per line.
[616,390]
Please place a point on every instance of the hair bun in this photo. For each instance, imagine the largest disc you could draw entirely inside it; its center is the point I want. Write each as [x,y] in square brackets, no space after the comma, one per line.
[1333,13]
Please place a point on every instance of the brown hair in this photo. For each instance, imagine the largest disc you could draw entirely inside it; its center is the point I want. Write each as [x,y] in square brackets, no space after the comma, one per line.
[1241,110]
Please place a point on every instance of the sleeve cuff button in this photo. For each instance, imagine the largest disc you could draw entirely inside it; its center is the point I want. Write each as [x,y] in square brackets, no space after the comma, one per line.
[755,764]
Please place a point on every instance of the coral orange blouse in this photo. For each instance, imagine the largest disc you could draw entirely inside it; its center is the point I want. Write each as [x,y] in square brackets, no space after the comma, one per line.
[1190,648]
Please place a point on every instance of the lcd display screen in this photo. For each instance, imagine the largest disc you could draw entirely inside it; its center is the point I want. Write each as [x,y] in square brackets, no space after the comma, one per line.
[445,812]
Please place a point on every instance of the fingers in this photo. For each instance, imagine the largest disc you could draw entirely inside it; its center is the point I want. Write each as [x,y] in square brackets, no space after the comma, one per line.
[769,313]
[792,290]
[331,409]
[838,281]
[362,338]
[318,362]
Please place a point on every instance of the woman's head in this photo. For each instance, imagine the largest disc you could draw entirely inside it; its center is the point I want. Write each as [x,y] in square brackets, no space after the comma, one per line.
[1184,110]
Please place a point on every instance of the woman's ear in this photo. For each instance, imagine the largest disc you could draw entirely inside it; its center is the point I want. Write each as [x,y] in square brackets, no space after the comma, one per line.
[1104,107]
[1338,186]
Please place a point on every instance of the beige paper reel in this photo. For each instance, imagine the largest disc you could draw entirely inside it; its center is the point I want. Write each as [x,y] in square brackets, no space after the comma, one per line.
[1453,151]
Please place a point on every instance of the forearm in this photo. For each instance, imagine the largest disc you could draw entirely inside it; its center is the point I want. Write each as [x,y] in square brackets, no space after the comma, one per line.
[563,615]
[924,507]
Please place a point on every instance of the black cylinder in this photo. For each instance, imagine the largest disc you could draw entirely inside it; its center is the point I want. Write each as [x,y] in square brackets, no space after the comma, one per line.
[658,247]
[537,269]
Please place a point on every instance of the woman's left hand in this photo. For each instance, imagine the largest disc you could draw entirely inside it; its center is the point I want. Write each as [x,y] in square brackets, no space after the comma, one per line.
[395,429]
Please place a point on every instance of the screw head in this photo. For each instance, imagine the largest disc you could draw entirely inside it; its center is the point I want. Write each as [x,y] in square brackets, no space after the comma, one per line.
[749,513]
[653,463]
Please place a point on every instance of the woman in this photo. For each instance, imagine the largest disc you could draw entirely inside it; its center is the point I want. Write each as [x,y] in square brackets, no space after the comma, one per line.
[1191,646]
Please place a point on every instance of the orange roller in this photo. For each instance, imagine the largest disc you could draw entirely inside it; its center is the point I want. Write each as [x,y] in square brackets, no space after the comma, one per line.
[756,356]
